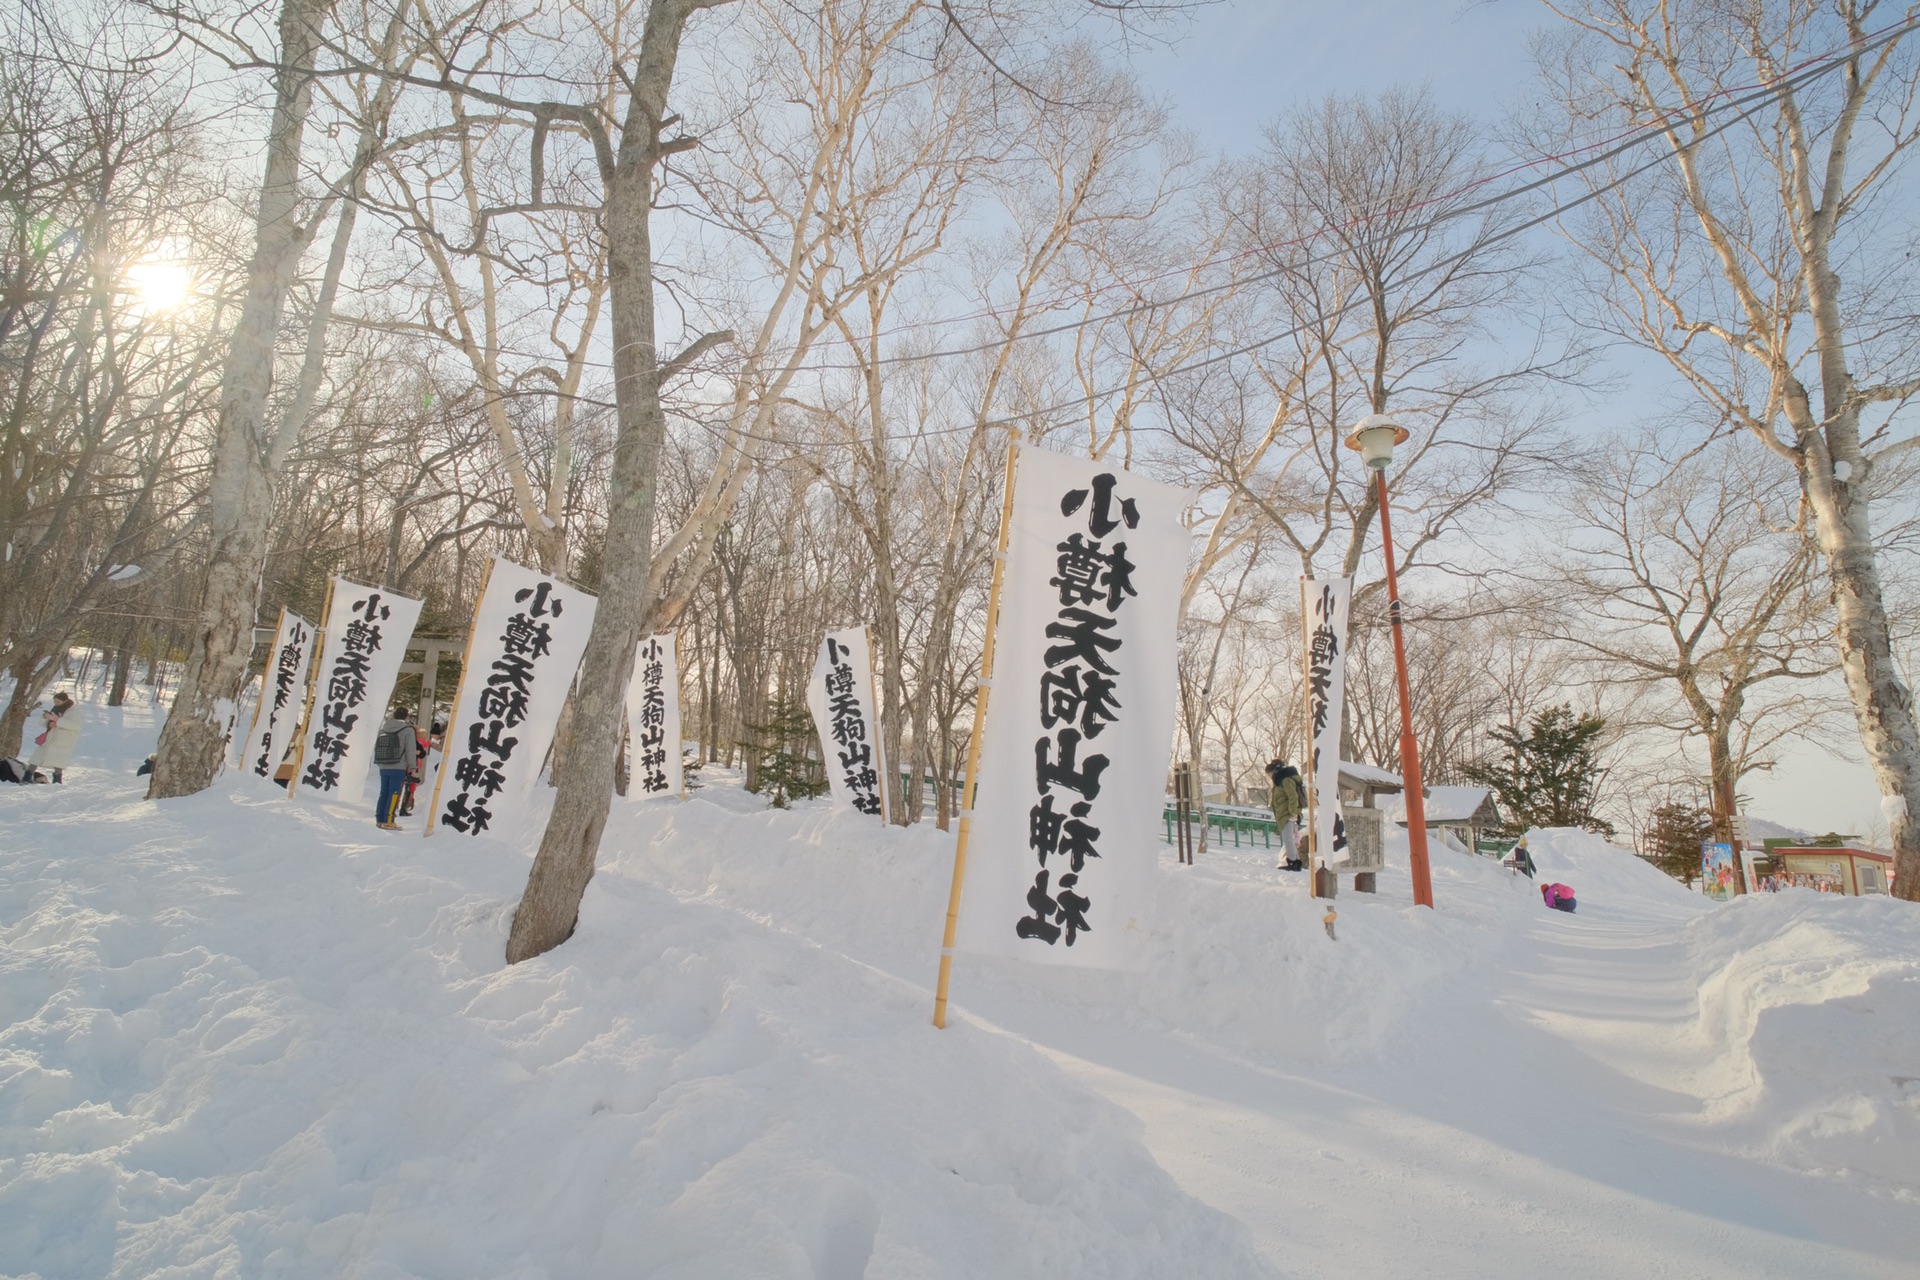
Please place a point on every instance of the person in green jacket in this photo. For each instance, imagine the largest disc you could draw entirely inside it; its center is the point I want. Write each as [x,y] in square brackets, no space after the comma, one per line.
[1288,799]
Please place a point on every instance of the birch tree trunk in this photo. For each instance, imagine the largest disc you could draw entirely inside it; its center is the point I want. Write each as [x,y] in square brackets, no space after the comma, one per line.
[240,493]
[1882,704]
[565,863]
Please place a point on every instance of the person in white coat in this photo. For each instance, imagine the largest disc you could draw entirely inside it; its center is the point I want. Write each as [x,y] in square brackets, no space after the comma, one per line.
[53,749]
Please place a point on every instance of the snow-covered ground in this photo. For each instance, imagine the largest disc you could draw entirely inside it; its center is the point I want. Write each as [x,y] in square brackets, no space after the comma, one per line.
[249,1037]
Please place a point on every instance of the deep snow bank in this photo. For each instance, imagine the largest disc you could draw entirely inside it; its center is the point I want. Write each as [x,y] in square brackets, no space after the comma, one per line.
[1238,952]
[245,1037]
[1805,1002]
[1813,1002]
[251,1038]
[1808,1014]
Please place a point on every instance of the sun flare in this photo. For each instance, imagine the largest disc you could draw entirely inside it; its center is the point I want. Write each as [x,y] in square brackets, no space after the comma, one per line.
[161,286]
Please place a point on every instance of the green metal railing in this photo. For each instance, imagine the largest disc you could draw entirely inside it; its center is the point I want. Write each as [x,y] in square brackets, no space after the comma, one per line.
[1235,821]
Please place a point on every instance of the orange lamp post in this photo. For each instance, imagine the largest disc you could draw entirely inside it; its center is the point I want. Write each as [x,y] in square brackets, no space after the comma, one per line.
[1374,439]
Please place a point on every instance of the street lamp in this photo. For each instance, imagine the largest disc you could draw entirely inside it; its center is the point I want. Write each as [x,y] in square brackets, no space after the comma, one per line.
[1375,439]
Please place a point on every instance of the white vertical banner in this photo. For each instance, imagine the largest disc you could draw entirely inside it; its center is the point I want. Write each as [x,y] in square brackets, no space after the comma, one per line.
[653,719]
[235,756]
[361,648]
[528,634]
[1323,616]
[1079,729]
[847,716]
[283,696]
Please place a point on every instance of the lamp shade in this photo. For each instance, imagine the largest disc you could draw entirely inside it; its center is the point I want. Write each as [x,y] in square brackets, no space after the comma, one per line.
[1375,438]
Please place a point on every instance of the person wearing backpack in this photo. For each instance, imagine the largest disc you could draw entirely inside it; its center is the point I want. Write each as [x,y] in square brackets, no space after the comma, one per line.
[1288,800]
[393,750]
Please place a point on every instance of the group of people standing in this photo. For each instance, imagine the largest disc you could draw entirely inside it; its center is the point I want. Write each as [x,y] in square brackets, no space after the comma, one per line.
[399,753]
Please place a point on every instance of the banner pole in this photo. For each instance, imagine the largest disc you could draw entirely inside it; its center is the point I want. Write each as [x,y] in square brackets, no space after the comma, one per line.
[279,629]
[879,733]
[1307,771]
[973,739]
[313,688]
[459,690]
[678,711]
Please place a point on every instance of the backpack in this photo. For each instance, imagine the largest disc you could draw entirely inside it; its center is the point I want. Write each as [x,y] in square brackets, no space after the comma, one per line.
[388,750]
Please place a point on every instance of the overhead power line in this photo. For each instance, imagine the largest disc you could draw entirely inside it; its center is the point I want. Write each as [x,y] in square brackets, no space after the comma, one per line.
[1742,105]
[1742,102]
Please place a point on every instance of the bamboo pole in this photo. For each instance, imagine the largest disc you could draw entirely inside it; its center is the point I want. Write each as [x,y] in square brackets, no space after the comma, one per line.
[679,716]
[453,712]
[313,688]
[973,739]
[879,734]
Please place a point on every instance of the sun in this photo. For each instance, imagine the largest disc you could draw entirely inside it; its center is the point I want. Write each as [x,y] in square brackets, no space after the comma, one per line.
[161,286]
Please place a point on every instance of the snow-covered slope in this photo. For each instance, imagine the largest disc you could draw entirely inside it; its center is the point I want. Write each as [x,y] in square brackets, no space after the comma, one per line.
[247,1038]
[1812,1005]
[252,1038]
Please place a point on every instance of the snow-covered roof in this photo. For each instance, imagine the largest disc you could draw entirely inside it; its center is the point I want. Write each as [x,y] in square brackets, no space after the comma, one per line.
[1366,774]
[1443,805]
[1454,804]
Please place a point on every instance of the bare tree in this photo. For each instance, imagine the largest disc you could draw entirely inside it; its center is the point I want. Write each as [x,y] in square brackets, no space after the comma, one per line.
[1379,284]
[240,495]
[251,439]
[511,269]
[106,362]
[627,154]
[1765,264]
[1687,578]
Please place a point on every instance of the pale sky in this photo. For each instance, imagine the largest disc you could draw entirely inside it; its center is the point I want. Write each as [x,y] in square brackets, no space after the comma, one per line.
[1241,63]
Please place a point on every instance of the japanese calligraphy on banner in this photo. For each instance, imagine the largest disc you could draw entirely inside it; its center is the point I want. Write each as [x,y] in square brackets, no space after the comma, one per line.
[528,635]
[283,696]
[847,717]
[363,643]
[1323,614]
[653,719]
[1079,725]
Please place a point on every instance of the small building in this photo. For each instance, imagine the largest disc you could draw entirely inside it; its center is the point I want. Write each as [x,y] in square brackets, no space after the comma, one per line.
[1465,813]
[1468,813]
[1828,868]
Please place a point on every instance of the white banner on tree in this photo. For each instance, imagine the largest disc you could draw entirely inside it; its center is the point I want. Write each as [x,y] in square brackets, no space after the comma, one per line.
[653,719]
[1079,726]
[847,716]
[283,696]
[1323,614]
[363,642]
[528,634]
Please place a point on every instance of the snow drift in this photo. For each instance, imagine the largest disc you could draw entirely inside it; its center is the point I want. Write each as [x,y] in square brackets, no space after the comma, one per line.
[248,1037]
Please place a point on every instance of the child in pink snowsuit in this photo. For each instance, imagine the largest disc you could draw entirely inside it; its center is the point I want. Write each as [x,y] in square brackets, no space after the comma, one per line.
[1557,896]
